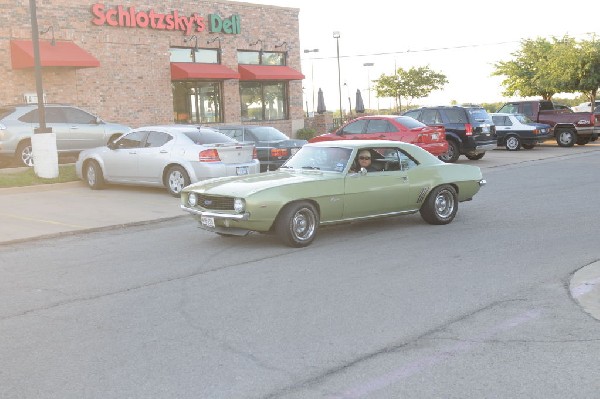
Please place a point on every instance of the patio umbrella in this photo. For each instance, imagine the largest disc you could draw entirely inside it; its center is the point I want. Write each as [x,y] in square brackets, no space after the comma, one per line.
[360,105]
[321,103]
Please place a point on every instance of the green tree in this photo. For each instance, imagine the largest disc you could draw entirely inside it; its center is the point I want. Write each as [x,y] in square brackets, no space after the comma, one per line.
[589,74]
[522,74]
[410,84]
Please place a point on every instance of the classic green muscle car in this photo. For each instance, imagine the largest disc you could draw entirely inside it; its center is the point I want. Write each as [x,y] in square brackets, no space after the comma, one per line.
[326,183]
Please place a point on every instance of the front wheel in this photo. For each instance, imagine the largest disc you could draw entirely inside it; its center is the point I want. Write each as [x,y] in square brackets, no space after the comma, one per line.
[92,173]
[566,137]
[441,205]
[452,154]
[177,178]
[513,143]
[297,224]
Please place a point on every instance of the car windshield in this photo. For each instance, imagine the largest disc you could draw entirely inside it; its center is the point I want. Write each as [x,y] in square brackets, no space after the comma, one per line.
[523,118]
[331,159]
[264,133]
[208,137]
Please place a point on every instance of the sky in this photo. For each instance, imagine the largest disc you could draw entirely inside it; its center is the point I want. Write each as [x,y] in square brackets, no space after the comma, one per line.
[460,39]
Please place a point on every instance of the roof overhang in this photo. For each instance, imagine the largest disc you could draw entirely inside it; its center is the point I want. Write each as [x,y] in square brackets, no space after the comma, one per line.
[191,70]
[57,54]
[268,72]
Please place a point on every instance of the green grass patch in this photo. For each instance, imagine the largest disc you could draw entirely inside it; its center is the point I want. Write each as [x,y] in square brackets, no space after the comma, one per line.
[26,177]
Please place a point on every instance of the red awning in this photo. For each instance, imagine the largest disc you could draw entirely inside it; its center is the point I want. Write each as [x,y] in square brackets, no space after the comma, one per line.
[60,54]
[191,70]
[268,72]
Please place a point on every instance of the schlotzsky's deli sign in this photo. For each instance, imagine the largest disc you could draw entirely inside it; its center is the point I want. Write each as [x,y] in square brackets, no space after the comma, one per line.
[132,18]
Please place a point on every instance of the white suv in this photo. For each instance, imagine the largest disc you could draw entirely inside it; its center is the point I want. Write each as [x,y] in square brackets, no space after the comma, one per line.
[75,130]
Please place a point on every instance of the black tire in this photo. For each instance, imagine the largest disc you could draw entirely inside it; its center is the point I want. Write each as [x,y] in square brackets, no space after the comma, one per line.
[475,157]
[24,154]
[566,137]
[297,224]
[176,179]
[93,176]
[452,154]
[528,146]
[582,140]
[441,205]
[513,143]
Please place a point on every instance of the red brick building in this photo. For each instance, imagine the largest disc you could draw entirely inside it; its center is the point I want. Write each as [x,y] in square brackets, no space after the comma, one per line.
[158,62]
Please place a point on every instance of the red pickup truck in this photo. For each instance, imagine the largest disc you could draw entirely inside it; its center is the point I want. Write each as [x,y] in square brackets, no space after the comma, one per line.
[568,127]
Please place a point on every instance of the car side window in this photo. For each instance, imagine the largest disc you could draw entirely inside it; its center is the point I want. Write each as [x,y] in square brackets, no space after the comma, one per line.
[431,117]
[356,127]
[54,115]
[30,117]
[456,116]
[157,139]
[380,126]
[501,120]
[74,115]
[131,140]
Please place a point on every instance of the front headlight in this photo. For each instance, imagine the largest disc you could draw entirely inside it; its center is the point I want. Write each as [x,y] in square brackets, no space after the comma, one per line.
[239,205]
[193,199]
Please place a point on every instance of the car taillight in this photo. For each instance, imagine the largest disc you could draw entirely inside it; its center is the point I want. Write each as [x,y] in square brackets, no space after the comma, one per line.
[279,152]
[468,129]
[209,156]
[254,153]
[536,131]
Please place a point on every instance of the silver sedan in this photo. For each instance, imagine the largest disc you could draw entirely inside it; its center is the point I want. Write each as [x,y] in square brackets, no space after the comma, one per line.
[171,156]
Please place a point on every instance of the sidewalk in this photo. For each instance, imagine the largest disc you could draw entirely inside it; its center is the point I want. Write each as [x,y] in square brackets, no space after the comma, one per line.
[52,209]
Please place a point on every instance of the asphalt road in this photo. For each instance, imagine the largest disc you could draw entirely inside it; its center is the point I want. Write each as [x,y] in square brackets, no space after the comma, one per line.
[480,308]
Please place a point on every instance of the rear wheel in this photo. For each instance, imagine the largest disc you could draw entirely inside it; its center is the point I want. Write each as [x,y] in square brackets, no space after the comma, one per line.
[24,154]
[297,224]
[441,205]
[452,154]
[513,143]
[566,137]
[582,140]
[475,157]
[177,178]
[92,172]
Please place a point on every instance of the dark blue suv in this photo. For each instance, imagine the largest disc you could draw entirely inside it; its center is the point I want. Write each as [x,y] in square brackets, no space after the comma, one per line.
[470,130]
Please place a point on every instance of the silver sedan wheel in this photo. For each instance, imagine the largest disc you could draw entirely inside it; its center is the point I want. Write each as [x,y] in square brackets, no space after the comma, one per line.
[177,179]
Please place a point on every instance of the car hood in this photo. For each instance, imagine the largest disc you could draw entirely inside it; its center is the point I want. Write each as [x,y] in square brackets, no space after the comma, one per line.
[243,186]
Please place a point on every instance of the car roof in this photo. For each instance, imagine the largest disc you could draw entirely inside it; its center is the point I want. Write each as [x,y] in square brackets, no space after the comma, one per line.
[360,143]
[176,128]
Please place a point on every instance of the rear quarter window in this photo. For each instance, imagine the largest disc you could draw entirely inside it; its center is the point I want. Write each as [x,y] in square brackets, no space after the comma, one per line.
[209,137]
[456,115]
[479,115]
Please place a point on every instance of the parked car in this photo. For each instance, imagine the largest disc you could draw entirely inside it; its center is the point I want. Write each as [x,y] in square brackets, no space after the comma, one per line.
[273,146]
[517,130]
[390,127]
[171,156]
[75,130]
[469,129]
[317,187]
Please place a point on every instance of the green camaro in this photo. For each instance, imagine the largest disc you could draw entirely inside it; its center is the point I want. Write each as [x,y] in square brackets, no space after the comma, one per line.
[333,182]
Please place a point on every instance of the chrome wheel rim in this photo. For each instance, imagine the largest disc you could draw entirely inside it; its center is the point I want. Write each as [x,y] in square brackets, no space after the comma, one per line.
[444,204]
[27,156]
[303,224]
[512,143]
[90,174]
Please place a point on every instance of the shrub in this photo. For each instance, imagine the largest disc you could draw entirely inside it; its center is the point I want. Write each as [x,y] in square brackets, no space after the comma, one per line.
[306,133]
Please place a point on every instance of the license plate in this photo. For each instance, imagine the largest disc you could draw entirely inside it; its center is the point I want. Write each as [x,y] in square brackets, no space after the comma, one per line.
[242,170]
[207,221]
[485,129]
[435,137]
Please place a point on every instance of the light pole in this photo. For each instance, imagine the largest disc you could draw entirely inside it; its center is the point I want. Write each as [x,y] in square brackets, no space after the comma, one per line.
[312,76]
[336,36]
[369,64]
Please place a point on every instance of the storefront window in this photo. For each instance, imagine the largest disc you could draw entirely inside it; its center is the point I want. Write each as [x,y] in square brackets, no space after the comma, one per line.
[196,102]
[263,101]
[201,55]
[260,58]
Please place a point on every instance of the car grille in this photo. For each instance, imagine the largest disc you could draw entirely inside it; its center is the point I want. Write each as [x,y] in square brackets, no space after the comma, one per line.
[215,203]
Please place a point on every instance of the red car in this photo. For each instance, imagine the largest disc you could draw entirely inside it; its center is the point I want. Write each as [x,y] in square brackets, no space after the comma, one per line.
[391,127]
